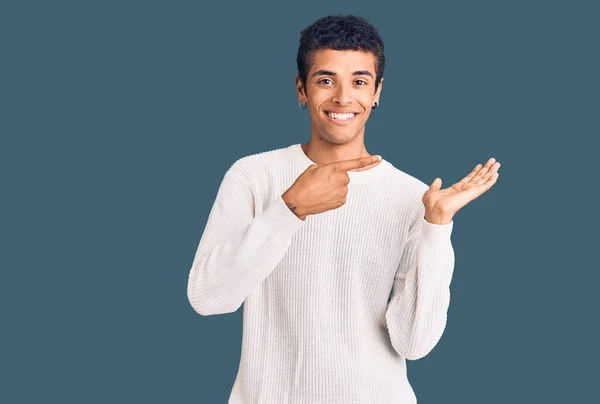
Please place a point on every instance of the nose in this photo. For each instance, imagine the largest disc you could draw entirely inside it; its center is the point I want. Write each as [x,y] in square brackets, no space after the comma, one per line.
[342,96]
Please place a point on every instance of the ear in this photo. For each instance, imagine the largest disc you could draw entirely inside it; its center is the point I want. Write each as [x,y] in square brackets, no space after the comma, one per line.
[378,92]
[300,90]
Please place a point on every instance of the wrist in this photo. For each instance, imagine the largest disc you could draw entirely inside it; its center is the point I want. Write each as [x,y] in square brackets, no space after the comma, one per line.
[290,201]
[438,218]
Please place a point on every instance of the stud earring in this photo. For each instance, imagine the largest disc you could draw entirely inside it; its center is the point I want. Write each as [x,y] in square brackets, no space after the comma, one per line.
[376,104]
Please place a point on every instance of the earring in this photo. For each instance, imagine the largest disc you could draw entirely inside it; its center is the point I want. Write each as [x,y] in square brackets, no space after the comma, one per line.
[300,105]
[376,104]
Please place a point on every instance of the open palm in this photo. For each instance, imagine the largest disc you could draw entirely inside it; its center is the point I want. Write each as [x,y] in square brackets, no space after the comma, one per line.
[452,199]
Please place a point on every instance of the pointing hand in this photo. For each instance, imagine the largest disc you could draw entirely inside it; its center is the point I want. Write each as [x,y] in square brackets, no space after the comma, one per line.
[324,187]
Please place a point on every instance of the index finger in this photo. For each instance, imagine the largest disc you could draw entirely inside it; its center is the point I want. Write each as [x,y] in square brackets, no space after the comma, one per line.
[353,164]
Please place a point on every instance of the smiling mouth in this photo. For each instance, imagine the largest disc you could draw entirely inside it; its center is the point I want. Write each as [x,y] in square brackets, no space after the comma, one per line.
[340,118]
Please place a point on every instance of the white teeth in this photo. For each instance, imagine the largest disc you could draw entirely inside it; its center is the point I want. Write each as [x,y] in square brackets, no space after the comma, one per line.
[340,117]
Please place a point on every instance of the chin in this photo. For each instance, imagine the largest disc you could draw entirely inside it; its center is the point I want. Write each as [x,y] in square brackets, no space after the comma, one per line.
[338,139]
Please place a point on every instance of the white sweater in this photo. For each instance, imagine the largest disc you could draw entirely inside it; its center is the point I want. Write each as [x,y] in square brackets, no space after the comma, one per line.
[333,304]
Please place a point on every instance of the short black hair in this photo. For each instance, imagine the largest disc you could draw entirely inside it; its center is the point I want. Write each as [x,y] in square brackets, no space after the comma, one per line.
[340,32]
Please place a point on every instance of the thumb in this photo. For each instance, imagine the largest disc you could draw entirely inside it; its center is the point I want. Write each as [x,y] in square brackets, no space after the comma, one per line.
[436,184]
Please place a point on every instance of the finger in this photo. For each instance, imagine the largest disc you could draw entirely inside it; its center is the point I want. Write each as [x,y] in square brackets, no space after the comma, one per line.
[488,184]
[364,168]
[347,165]
[483,170]
[489,174]
[470,175]
[436,184]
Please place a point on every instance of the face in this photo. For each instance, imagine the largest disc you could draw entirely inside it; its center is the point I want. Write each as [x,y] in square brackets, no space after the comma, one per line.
[342,82]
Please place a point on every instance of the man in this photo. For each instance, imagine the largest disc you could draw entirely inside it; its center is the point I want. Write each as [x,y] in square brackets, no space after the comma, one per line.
[342,261]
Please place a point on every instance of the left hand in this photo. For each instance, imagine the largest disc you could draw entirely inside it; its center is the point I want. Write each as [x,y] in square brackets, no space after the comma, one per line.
[442,204]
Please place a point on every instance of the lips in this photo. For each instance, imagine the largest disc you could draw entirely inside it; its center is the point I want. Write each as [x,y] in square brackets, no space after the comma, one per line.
[341,122]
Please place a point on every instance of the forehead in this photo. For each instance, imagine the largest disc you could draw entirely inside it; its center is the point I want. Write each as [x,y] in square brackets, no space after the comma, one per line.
[342,62]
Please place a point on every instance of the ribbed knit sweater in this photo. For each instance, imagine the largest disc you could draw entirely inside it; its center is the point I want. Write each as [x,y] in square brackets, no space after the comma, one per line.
[333,305]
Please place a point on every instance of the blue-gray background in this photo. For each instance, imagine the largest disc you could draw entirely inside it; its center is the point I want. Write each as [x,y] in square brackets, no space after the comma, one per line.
[120,118]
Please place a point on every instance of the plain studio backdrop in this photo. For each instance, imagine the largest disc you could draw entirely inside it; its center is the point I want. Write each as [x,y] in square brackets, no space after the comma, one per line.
[119,119]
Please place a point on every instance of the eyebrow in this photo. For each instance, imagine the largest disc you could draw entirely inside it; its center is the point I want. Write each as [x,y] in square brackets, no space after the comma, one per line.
[329,73]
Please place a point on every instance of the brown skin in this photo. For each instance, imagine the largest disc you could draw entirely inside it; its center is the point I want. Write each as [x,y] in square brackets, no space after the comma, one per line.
[335,148]
[442,204]
[323,186]
[343,91]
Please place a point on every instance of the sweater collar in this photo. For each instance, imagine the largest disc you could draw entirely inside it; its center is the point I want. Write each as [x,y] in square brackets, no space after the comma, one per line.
[356,177]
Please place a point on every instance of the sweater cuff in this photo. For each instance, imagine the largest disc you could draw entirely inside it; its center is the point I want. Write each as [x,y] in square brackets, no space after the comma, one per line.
[279,221]
[436,235]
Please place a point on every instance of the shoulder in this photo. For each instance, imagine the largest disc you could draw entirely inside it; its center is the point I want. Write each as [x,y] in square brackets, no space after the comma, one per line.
[410,189]
[260,164]
[409,183]
[258,171]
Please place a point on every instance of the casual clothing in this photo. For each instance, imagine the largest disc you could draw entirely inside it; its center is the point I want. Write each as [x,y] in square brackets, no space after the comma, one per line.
[333,305]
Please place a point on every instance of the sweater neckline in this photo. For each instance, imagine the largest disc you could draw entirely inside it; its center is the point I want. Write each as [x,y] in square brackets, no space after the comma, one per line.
[356,177]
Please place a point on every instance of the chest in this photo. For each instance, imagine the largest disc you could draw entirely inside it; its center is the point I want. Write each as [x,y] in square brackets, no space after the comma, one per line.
[351,252]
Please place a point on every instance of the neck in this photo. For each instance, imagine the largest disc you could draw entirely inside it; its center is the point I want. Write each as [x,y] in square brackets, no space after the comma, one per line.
[322,151]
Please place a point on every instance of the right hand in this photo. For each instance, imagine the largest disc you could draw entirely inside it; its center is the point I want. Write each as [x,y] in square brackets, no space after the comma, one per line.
[324,187]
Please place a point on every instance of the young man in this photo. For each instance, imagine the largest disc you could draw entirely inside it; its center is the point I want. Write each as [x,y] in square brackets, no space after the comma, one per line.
[342,261]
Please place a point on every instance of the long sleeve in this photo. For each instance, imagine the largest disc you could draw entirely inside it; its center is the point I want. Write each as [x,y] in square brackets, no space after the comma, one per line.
[417,310]
[237,250]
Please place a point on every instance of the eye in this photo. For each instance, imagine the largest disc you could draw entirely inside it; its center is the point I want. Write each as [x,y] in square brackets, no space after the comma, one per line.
[359,80]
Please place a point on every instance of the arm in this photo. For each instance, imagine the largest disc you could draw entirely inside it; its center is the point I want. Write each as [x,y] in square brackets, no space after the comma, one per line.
[237,250]
[417,311]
